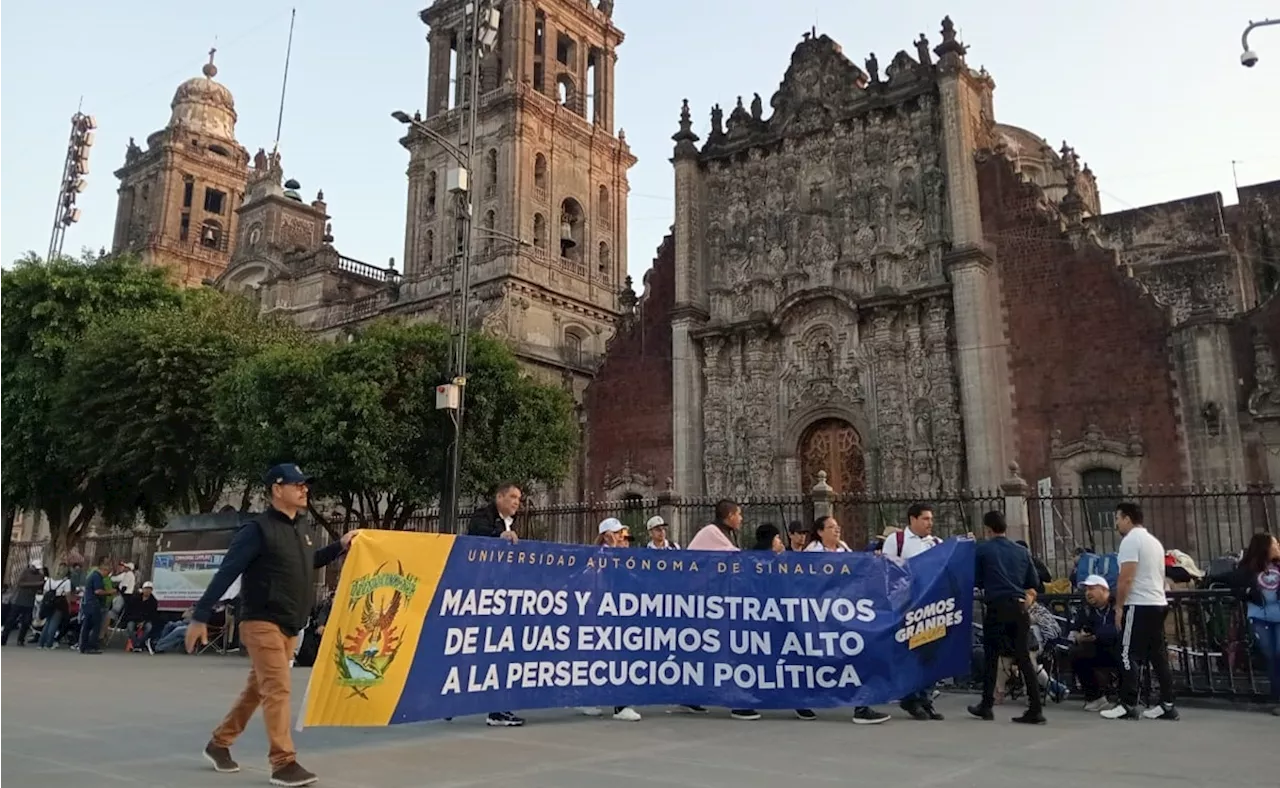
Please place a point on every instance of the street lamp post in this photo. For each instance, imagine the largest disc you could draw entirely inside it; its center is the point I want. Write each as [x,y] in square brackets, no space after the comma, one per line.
[1249,58]
[451,396]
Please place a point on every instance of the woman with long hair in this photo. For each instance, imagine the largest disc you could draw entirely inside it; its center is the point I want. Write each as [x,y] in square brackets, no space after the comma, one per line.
[1259,575]
[824,537]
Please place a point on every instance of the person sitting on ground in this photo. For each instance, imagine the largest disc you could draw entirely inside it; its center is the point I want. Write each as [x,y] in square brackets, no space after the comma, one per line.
[1095,641]
[142,611]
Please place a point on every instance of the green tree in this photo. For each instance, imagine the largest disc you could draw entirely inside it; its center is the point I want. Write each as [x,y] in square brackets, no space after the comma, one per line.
[138,402]
[361,416]
[46,308]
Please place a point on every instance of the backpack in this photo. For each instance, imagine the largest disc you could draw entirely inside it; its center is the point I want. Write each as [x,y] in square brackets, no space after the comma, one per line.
[1107,565]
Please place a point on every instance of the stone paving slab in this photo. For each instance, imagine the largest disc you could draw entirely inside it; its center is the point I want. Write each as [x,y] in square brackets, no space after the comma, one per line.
[138,720]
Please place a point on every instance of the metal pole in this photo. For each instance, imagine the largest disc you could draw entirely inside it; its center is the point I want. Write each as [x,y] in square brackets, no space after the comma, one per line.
[449,502]
[59,227]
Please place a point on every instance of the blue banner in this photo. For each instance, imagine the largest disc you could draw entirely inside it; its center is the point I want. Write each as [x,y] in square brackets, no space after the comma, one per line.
[487,627]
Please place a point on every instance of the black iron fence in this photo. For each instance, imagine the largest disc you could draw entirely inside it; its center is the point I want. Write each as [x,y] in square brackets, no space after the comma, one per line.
[1211,646]
[1206,523]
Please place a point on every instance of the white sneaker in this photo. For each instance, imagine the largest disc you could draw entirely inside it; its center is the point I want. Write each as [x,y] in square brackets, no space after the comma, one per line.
[1161,711]
[589,711]
[1097,704]
[1120,712]
[627,714]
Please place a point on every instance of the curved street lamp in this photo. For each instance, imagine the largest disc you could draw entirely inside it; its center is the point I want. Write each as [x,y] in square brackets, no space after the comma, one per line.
[1249,58]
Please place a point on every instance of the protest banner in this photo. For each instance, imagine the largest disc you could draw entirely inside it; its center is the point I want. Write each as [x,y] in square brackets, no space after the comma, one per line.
[426,626]
[179,577]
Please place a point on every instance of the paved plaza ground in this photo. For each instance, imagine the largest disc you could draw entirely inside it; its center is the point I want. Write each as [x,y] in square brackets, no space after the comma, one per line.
[136,720]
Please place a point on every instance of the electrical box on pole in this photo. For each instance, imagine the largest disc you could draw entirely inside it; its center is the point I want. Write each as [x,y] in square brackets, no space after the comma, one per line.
[448,397]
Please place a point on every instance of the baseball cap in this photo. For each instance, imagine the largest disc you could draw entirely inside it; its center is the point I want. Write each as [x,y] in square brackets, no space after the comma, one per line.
[610,526]
[148,584]
[655,522]
[286,473]
[1096,580]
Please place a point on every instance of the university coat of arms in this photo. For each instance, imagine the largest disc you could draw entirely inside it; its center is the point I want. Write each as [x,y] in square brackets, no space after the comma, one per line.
[366,652]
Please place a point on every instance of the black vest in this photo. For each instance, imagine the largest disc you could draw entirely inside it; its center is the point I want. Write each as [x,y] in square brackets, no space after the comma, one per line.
[279,584]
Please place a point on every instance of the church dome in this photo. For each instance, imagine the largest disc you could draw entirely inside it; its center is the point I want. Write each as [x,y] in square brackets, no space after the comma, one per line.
[1033,156]
[205,106]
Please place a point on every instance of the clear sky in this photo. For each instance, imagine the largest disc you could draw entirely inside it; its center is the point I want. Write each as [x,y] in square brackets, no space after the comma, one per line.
[1150,92]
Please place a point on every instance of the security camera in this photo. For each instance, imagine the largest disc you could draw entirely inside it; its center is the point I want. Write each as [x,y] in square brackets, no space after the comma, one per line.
[1248,58]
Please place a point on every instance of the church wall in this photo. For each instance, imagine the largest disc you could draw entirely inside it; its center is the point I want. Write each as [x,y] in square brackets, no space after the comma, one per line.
[628,405]
[1089,348]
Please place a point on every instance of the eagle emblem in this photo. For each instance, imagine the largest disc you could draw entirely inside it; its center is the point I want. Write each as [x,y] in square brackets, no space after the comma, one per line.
[365,652]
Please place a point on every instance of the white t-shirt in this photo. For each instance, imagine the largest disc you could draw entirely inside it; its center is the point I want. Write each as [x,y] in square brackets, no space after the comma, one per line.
[819,547]
[912,545]
[1140,547]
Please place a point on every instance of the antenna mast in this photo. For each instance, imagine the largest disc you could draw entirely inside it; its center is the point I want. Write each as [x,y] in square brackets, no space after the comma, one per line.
[288,53]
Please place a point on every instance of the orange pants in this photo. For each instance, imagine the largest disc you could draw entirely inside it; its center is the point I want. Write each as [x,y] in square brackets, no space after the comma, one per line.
[269,653]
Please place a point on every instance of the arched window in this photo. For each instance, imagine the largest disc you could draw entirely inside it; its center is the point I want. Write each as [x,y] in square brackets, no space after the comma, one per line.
[491,172]
[486,236]
[429,254]
[1101,490]
[211,235]
[567,92]
[602,203]
[604,261]
[431,194]
[572,231]
[539,231]
[540,172]
[572,348]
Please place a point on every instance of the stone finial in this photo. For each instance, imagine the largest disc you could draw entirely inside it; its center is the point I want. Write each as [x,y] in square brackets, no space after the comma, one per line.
[210,70]
[685,138]
[320,195]
[950,48]
[822,486]
[328,233]
[670,484]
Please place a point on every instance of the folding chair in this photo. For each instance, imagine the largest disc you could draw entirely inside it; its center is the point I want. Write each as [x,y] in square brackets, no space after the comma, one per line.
[218,636]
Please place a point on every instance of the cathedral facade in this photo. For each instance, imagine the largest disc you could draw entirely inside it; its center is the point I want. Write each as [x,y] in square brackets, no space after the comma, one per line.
[879,281]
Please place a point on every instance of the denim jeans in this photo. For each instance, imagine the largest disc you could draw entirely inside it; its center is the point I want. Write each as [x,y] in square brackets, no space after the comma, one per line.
[172,637]
[1268,636]
[49,635]
[90,628]
[142,634]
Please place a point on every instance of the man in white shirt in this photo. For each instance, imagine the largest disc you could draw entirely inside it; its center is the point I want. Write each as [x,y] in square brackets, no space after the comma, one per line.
[658,534]
[917,537]
[914,540]
[1140,610]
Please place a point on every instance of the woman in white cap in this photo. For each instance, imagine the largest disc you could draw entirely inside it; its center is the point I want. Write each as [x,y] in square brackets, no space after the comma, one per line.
[612,535]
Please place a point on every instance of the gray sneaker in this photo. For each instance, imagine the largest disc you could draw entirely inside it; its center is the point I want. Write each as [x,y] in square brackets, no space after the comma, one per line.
[221,759]
[292,775]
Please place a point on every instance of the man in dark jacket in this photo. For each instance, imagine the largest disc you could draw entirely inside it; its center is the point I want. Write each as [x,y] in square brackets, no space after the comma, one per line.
[276,564]
[1095,641]
[23,605]
[497,519]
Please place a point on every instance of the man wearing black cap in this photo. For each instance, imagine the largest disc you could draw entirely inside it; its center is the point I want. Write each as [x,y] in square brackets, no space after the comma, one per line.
[276,564]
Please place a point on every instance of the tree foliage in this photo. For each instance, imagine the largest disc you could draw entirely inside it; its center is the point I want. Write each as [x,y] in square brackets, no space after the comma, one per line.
[361,416]
[138,402]
[47,306]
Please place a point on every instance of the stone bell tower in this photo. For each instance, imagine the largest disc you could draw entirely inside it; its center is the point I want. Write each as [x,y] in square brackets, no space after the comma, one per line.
[178,197]
[548,187]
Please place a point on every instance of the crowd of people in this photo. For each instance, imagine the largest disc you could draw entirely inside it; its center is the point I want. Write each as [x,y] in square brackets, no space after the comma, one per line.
[78,608]
[1108,642]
